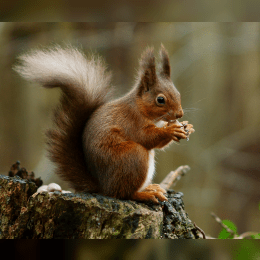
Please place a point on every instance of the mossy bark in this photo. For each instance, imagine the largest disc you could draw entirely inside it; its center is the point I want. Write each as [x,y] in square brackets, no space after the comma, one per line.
[24,214]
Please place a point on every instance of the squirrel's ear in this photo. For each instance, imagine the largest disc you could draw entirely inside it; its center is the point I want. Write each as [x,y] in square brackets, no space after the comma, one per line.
[166,67]
[147,74]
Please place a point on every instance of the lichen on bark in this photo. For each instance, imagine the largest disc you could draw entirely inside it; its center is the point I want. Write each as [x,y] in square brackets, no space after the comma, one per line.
[24,214]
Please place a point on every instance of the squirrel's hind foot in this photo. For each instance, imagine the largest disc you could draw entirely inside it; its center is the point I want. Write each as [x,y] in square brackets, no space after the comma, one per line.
[149,195]
[155,187]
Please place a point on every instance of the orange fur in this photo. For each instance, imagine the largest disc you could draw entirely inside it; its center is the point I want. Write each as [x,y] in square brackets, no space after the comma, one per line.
[103,145]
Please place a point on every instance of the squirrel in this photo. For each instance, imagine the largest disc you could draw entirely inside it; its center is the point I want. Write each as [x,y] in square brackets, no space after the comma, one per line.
[101,145]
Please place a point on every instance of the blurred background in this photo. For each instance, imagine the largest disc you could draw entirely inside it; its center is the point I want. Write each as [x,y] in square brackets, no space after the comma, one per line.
[130,10]
[215,66]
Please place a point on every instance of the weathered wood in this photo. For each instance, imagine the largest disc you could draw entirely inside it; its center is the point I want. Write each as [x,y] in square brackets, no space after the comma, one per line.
[172,177]
[57,215]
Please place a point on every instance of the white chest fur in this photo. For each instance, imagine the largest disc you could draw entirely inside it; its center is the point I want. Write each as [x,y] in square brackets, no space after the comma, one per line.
[150,172]
[151,162]
[161,123]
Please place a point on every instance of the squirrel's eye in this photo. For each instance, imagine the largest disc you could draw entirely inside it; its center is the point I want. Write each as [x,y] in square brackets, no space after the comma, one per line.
[160,100]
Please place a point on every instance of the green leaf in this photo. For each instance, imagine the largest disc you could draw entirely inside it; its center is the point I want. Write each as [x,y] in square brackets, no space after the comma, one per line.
[256,236]
[224,234]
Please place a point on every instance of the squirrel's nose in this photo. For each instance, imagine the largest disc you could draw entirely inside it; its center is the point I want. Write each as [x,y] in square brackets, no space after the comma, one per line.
[179,114]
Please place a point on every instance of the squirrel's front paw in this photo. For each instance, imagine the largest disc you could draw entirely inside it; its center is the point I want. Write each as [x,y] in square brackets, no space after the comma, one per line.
[177,131]
[188,128]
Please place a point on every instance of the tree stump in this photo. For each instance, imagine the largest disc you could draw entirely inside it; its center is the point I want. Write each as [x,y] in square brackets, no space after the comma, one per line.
[26,214]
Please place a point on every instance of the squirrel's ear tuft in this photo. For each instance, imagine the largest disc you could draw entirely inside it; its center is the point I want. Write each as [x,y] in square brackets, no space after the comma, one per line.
[165,61]
[147,73]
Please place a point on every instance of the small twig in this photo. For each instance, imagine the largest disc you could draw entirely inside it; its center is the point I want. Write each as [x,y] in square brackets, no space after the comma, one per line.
[200,230]
[209,237]
[246,234]
[223,225]
[174,176]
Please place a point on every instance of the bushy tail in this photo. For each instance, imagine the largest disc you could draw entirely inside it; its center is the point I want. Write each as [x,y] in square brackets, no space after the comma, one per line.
[85,86]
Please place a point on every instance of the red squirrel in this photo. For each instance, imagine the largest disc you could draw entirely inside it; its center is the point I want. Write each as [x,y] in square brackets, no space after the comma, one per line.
[101,145]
